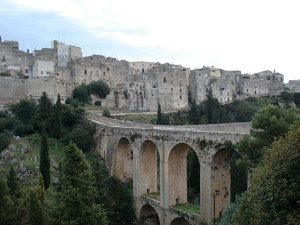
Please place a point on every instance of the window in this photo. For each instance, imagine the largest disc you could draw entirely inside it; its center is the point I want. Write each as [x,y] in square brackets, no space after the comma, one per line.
[172,89]
[221,93]
[26,70]
[165,80]
[247,90]
[42,72]
[143,71]
[180,97]
[104,73]
[164,70]
[48,73]
[180,89]
[268,78]
[3,58]
[85,72]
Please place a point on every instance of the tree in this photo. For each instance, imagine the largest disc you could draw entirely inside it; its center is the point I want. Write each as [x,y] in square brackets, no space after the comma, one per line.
[82,135]
[43,113]
[99,88]
[209,106]
[25,110]
[13,183]
[57,120]
[76,203]
[273,196]
[6,205]
[82,93]
[193,115]
[268,123]
[44,159]
[113,194]
[37,210]
[106,113]
[159,120]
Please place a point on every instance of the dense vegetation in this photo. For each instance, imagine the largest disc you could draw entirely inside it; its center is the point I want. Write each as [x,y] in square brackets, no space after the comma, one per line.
[109,201]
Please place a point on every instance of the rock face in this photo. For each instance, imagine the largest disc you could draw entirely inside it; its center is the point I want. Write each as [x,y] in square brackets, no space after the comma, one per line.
[14,154]
[24,172]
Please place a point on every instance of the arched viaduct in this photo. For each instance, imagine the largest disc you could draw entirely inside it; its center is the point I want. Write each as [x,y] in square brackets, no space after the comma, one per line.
[131,151]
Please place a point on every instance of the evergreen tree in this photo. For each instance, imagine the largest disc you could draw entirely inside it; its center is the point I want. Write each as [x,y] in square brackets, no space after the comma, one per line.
[6,205]
[44,113]
[193,115]
[159,120]
[209,107]
[44,159]
[273,195]
[76,203]
[57,120]
[13,183]
[37,210]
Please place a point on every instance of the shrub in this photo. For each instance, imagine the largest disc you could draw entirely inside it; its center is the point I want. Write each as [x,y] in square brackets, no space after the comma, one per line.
[106,113]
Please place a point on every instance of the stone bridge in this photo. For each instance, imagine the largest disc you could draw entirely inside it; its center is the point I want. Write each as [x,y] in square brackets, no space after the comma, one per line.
[154,158]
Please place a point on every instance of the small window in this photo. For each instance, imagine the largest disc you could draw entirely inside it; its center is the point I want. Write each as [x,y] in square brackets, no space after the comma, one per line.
[85,72]
[180,97]
[26,70]
[143,71]
[165,80]
[42,72]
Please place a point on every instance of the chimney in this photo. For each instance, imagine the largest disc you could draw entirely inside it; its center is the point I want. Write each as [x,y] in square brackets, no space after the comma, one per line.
[27,51]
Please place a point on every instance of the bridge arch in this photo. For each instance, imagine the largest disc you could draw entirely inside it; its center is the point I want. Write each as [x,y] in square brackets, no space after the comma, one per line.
[148,172]
[177,173]
[123,160]
[180,221]
[221,180]
[148,214]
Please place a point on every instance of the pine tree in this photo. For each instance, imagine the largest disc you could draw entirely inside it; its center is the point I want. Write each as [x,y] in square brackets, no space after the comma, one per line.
[44,159]
[159,120]
[76,203]
[13,183]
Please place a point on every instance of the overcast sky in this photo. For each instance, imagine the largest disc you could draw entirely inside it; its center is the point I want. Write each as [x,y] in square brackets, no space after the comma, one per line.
[246,35]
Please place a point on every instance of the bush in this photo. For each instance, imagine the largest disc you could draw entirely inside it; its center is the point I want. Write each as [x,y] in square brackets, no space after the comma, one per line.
[99,88]
[20,130]
[106,113]
[5,139]
[5,74]
[82,93]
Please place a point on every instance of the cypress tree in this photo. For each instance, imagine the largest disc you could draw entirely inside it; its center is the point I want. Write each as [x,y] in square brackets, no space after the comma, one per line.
[159,120]
[13,183]
[209,106]
[6,205]
[44,159]
[57,121]
[37,204]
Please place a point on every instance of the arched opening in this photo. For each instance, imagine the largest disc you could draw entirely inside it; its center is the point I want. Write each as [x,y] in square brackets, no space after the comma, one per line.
[123,159]
[184,177]
[180,221]
[148,215]
[220,181]
[149,172]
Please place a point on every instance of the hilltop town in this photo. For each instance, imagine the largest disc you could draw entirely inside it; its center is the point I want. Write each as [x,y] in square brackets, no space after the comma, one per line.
[134,85]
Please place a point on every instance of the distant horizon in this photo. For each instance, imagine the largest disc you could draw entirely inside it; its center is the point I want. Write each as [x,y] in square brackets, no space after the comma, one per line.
[250,36]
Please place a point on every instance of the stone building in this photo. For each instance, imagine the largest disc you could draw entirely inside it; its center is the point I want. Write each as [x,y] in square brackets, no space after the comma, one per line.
[134,85]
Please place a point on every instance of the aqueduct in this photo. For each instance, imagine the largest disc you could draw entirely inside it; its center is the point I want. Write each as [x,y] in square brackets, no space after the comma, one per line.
[131,152]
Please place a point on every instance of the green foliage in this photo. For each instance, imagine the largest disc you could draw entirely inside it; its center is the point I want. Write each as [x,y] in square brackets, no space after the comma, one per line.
[37,210]
[193,115]
[229,212]
[82,135]
[43,113]
[268,123]
[296,98]
[193,177]
[239,175]
[25,110]
[44,159]
[74,102]
[5,139]
[57,119]
[113,194]
[287,96]
[5,74]
[106,113]
[13,183]
[71,116]
[273,195]
[159,120]
[6,205]
[99,88]
[21,130]
[82,93]
[76,203]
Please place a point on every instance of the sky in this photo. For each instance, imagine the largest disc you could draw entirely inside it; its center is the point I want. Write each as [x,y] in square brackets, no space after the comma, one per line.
[246,35]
